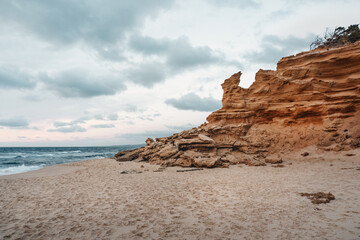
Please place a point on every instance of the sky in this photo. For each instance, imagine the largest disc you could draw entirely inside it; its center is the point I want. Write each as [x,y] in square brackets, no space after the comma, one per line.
[114,72]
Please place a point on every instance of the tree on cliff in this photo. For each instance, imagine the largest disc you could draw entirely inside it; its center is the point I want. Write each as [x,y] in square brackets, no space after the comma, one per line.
[338,37]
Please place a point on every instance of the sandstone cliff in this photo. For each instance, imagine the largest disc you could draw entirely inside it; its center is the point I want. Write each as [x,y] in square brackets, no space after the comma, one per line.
[312,99]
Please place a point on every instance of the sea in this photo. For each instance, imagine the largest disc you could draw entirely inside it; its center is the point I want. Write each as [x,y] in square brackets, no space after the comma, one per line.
[22,159]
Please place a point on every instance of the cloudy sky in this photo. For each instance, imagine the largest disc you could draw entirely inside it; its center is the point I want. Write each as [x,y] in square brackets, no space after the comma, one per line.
[111,72]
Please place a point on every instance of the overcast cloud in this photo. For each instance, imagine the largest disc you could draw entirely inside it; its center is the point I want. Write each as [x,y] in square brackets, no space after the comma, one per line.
[103,126]
[173,56]
[273,48]
[79,83]
[12,77]
[192,101]
[179,53]
[14,122]
[147,74]
[99,24]
[235,3]
[116,72]
[70,129]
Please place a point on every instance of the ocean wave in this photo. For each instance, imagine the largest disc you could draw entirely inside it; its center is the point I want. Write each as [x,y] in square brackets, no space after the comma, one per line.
[77,151]
[9,163]
[16,160]
[19,169]
[67,152]
[41,155]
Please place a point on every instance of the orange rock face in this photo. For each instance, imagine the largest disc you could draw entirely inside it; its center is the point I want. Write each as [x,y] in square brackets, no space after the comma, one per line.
[309,87]
[312,99]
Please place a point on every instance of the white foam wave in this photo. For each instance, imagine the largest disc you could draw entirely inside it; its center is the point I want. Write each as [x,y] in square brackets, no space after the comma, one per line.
[19,169]
[66,152]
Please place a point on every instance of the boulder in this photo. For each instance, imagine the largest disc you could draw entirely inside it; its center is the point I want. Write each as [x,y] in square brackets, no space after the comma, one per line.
[149,141]
[207,162]
[205,138]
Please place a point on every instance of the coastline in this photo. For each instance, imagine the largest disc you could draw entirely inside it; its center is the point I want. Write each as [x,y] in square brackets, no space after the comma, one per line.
[15,160]
[105,199]
[47,171]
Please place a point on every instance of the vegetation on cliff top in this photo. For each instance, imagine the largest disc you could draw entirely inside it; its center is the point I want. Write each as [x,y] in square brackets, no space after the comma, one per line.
[340,36]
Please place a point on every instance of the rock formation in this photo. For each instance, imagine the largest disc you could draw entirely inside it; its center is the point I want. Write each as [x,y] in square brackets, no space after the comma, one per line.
[312,99]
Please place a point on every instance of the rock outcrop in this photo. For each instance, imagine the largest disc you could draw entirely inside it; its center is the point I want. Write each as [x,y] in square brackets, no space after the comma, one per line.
[312,98]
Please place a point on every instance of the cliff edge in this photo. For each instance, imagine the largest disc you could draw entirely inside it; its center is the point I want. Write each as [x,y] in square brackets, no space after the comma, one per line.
[312,99]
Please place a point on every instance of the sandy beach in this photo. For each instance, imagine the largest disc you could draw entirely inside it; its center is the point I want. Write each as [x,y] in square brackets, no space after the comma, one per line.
[95,199]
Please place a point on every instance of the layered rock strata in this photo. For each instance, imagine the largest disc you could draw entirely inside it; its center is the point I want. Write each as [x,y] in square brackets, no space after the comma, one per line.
[312,98]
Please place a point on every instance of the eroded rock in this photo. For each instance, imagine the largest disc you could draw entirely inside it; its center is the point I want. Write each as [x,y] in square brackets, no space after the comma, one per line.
[273,160]
[312,99]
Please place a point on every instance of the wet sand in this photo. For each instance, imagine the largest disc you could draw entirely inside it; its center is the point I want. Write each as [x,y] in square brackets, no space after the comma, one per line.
[94,200]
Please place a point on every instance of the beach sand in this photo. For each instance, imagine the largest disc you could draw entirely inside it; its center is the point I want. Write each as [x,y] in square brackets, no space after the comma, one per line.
[93,200]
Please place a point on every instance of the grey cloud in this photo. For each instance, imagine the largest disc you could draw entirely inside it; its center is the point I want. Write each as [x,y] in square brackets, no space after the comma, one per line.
[149,117]
[111,53]
[113,117]
[72,128]
[179,53]
[103,126]
[14,122]
[109,117]
[82,119]
[274,48]
[191,101]
[71,123]
[99,24]
[147,74]
[11,77]
[183,55]
[281,13]
[61,124]
[148,45]
[146,118]
[80,84]
[235,3]
[99,117]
